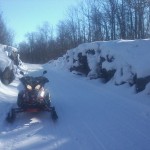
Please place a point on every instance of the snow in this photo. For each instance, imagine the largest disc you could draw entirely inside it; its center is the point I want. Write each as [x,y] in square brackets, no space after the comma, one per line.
[92,115]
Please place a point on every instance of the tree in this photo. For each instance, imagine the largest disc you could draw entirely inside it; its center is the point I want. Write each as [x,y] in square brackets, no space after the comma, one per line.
[6,35]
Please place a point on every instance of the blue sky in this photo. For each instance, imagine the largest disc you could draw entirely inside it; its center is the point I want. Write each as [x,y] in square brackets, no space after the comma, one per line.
[25,16]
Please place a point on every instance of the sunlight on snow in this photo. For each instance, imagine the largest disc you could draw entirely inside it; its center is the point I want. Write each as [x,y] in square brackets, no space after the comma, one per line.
[50,143]
[35,120]
[6,91]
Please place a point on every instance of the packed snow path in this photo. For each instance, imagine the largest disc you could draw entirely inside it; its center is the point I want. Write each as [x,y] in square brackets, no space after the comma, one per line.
[92,116]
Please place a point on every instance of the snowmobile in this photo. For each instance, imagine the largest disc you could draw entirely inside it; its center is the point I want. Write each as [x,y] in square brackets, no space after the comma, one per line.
[33,98]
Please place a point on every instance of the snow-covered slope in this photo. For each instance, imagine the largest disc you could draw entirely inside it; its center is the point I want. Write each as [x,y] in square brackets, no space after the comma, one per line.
[92,116]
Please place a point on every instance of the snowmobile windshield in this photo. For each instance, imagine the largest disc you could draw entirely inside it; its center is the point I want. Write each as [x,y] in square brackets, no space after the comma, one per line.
[34,82]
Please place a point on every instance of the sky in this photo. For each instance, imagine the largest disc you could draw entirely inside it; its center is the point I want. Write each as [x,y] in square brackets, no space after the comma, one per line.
[25,16]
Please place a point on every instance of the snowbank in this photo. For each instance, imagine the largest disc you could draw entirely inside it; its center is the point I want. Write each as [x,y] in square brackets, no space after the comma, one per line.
[122,61]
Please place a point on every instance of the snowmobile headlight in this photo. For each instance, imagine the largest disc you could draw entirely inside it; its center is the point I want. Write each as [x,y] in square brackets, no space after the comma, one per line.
[29,87]
[42,94]
[37,87]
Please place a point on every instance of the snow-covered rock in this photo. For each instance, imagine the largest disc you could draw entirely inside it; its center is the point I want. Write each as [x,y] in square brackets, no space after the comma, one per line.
[9,62]
[122,61]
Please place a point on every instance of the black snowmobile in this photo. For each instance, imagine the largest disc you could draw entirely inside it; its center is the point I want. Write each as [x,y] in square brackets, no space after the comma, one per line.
[34,98]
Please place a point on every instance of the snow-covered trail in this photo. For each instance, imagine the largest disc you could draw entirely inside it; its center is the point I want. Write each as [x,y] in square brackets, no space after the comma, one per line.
[91,117]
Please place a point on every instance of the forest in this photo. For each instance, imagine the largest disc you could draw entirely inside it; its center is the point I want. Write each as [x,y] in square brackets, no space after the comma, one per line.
[91,20]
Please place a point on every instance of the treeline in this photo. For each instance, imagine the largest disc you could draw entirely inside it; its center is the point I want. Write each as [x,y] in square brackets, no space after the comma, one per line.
[6,35]
[91,20]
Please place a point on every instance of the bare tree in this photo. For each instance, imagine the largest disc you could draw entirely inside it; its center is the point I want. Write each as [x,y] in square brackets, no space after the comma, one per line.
[6,35]
[92,20]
